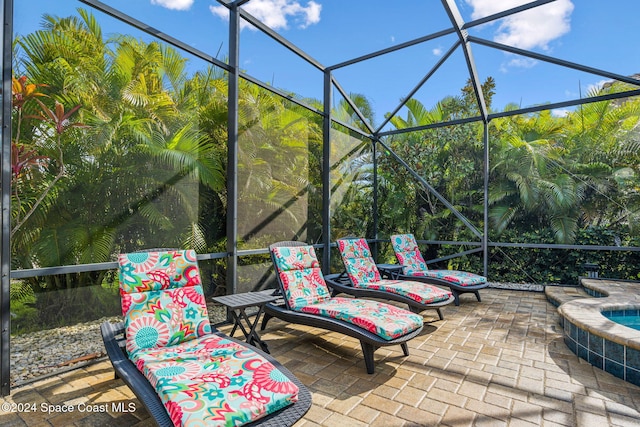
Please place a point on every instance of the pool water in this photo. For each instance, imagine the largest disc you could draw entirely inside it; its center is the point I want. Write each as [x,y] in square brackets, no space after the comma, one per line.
[629,318]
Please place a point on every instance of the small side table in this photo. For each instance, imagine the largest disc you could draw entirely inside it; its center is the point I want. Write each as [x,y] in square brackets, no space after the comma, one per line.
[237,303]
[391,270]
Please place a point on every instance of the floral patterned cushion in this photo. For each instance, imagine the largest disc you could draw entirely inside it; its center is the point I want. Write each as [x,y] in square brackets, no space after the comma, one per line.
[358,261]
[385,320]
[364,274]
[202,378]
[409,256]
[212,380]
[300,275]
[420,292]
[461,278]
[155,271]
[408,253]
[307,292]
[162,299]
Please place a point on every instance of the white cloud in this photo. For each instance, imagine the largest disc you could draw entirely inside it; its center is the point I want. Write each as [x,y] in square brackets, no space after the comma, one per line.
[517,61]
[560,112]
[277,14]
[437,51]
[174,4]
[533,28]
[522,62]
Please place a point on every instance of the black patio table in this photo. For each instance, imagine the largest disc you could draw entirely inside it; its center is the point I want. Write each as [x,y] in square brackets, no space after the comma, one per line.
[238,303]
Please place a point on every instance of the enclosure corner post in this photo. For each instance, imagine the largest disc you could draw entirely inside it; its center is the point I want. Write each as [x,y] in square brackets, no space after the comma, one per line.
[232,150]
[485,231]
[5,158]
[326,173]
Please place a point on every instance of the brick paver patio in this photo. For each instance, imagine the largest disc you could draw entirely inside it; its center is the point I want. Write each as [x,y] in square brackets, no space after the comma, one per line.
[500,362]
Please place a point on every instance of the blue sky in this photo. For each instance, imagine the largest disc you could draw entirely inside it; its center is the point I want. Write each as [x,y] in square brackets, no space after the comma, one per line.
[596,34]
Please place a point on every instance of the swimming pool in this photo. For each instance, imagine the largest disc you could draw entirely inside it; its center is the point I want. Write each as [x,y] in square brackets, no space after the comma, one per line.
[628,318]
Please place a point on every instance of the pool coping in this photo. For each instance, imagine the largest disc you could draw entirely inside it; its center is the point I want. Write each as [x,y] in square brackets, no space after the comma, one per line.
[607,295]
[603,343]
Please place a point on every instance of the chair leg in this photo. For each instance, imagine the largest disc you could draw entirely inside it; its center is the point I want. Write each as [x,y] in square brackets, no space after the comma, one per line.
[265,320]
[417,310]
[456,296]
[405,348]
[478,295]
[367,350]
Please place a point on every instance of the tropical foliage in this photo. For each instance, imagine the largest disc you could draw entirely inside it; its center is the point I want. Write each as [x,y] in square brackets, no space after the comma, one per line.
[120,144]
[570,179]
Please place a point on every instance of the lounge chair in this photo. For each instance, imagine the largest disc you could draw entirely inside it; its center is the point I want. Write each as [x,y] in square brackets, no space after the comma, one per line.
[362,278]
[308,301]
[415,268]
[182,370]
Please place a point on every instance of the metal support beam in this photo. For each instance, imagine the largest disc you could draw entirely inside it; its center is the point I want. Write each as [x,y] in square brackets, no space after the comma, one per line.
[432,126]
[433,191]
[139,25]
[326,173]
[516,112]
[281,40]
[485,230]
[553,60]
[419,85]
[5,159]
[452,10]
[392,49]
[375,195]
[352,104]
[505,13]
[564,104]
[281,93]
[232,150]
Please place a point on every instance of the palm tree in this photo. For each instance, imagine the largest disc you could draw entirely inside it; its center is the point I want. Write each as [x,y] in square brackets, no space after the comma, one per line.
[275,178]
[565,173]
[133,178]
[519,158]
[603,141]
[448,158]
